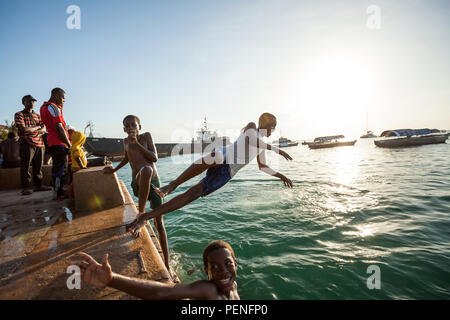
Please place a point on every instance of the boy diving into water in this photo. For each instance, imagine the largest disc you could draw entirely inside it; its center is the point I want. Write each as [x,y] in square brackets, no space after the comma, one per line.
[140,152]
[221,165]
[219,263]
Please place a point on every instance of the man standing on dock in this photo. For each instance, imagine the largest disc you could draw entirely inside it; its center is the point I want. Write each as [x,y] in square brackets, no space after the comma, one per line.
[31,129]
[10,150]
[57,138]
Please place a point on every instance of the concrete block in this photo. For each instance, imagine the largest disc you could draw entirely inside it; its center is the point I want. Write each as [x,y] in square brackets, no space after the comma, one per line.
[10,178]
[94,190]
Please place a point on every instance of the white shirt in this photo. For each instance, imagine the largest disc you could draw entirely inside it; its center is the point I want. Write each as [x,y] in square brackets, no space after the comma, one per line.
[244,150]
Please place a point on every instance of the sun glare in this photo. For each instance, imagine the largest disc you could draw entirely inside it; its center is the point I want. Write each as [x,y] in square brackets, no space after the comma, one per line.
[338,89]
[346,160]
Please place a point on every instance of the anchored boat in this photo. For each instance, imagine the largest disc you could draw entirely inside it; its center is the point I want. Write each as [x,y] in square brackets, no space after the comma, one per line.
[285,142]
[368,134]
[330,142]
[113,147]
[102,147]
[410,137]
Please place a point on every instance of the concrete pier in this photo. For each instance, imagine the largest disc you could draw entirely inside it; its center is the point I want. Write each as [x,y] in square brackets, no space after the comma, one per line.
[39,235]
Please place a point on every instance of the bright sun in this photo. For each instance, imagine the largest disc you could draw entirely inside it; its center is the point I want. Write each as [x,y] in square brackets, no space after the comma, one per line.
[337,88]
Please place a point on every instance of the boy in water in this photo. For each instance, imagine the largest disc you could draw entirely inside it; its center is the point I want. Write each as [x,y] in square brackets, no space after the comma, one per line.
[219,263]
[141,152]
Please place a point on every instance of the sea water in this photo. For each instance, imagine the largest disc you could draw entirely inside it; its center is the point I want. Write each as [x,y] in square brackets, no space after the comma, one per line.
[351,208]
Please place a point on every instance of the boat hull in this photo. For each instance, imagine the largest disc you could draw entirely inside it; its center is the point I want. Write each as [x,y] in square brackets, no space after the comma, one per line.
[331,145]
[104,147]
[411,141]
[368,136]
[113,147]
[290,144]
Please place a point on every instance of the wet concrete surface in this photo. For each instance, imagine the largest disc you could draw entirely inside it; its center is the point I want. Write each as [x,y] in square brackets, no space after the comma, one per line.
[39,235]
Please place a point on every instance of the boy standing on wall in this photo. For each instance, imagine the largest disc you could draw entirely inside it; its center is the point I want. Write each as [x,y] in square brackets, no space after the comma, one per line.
[140,152]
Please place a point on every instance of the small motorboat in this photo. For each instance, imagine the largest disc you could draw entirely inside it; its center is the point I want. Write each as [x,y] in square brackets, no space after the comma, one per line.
[285,142]
[330,142]
[368,134]
[410,137]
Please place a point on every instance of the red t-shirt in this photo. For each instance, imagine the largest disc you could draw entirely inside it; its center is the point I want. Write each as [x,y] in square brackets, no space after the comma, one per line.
[51,114]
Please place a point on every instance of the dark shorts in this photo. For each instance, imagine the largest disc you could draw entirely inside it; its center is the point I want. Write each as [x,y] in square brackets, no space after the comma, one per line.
[155,200]
[216,177]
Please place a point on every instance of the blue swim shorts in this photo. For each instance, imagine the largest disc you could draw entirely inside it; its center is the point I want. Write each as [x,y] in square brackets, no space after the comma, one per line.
[216,177]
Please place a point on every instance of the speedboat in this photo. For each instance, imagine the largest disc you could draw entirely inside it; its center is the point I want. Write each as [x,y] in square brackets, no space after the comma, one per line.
[330,142]
[368,134]
[410,137]
[285,142]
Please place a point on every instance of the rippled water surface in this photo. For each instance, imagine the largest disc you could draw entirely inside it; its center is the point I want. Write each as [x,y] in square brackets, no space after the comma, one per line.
[351,207]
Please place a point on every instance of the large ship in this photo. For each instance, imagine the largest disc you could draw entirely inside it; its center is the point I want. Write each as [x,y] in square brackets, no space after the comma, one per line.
[205,135]
[208,138]
[113,147]
[102,147]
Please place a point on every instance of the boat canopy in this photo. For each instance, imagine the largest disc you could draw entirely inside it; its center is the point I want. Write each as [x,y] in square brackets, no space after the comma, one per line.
[328,138]
[408,132]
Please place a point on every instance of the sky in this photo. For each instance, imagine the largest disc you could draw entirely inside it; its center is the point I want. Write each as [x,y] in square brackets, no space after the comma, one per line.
[322,67]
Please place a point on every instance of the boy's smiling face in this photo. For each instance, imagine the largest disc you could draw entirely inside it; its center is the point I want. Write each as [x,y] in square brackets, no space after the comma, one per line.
[131,127]
[222,269]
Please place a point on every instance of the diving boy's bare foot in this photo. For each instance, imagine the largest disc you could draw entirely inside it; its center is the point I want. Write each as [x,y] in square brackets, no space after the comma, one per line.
[164,191]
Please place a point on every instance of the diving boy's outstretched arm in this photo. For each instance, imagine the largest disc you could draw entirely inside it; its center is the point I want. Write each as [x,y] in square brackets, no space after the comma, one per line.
[101,275]
[261,159]
[274,149]
[255,141]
